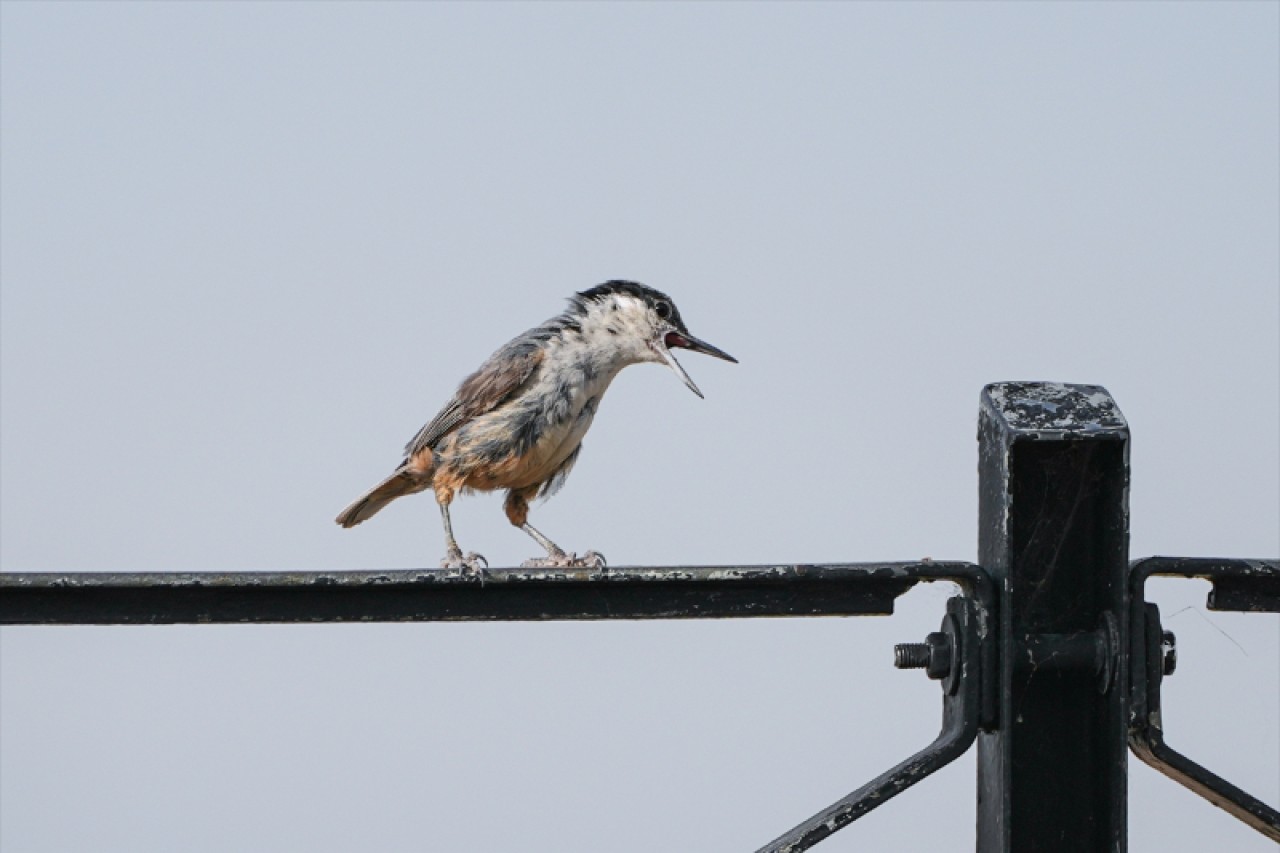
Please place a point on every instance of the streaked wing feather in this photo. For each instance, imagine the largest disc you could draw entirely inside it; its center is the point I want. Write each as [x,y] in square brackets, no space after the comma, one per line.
[436,428]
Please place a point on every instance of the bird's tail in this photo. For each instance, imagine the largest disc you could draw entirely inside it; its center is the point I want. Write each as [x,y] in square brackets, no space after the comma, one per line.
[402,482]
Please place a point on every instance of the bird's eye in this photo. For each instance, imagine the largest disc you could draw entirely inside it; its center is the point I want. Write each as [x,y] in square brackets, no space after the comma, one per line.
[664,310]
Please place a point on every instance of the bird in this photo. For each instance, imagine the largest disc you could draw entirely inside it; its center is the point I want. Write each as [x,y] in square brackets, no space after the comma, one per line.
[517,423]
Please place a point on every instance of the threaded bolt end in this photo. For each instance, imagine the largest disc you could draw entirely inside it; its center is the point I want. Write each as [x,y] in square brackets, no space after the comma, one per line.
[911,655]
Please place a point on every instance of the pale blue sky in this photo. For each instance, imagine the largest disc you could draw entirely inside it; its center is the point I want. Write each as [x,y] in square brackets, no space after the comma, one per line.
[247,249]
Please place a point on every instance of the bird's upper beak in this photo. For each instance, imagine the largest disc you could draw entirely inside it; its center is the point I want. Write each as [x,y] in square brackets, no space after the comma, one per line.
[683,340]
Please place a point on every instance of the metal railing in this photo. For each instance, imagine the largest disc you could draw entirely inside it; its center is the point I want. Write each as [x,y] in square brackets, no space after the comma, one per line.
[1053,620]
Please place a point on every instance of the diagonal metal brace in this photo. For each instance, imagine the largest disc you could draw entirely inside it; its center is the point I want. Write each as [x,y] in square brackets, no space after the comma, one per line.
[1243,585]
[961,719]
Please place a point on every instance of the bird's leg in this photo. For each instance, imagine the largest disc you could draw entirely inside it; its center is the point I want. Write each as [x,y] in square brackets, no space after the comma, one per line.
[517,507]
[454,558]
[554,551]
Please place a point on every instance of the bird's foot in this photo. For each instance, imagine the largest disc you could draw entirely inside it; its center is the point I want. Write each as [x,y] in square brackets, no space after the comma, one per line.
[560,560]
[470,563]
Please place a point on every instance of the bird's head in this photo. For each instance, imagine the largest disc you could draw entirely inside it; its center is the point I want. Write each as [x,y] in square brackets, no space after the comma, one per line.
[643,324]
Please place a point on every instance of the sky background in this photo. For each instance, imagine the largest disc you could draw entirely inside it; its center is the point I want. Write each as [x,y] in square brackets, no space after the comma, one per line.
[248,249]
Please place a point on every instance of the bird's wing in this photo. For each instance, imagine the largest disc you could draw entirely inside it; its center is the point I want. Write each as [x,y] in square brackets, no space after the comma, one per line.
[498,380]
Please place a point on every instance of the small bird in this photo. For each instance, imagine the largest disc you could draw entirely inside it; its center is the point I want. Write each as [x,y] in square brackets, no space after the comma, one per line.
[517,423]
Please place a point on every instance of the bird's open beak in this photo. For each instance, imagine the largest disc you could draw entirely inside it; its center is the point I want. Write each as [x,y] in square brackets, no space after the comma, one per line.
[684,341]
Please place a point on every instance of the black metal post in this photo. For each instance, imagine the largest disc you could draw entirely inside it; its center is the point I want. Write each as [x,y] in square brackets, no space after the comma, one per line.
[1054,535]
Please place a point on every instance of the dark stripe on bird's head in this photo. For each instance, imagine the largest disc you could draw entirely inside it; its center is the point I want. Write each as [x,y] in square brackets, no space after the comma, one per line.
[655,299]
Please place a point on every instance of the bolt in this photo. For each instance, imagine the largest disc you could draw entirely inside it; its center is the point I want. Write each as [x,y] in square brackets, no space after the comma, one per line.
[911,655]
[933,655]
[1169,646]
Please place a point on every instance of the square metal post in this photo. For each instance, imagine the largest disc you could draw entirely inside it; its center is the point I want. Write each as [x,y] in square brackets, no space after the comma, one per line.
[1054,535]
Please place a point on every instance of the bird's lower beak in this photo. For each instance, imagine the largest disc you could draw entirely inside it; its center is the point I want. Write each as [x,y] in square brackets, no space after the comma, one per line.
[689,342]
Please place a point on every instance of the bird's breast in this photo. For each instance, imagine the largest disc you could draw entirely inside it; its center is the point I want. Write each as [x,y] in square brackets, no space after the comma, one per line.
[525,442]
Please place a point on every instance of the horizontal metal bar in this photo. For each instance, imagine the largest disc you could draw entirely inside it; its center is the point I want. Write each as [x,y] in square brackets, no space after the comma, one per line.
[1239,585]
[154,598]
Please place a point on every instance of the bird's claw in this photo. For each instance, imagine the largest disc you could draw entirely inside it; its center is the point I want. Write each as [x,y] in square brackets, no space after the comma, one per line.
[471,563]
[594,560]
[561,560]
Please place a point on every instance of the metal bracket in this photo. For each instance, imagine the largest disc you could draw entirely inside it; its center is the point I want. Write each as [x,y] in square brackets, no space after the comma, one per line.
[963,635]
[1239,585]
[519,594]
